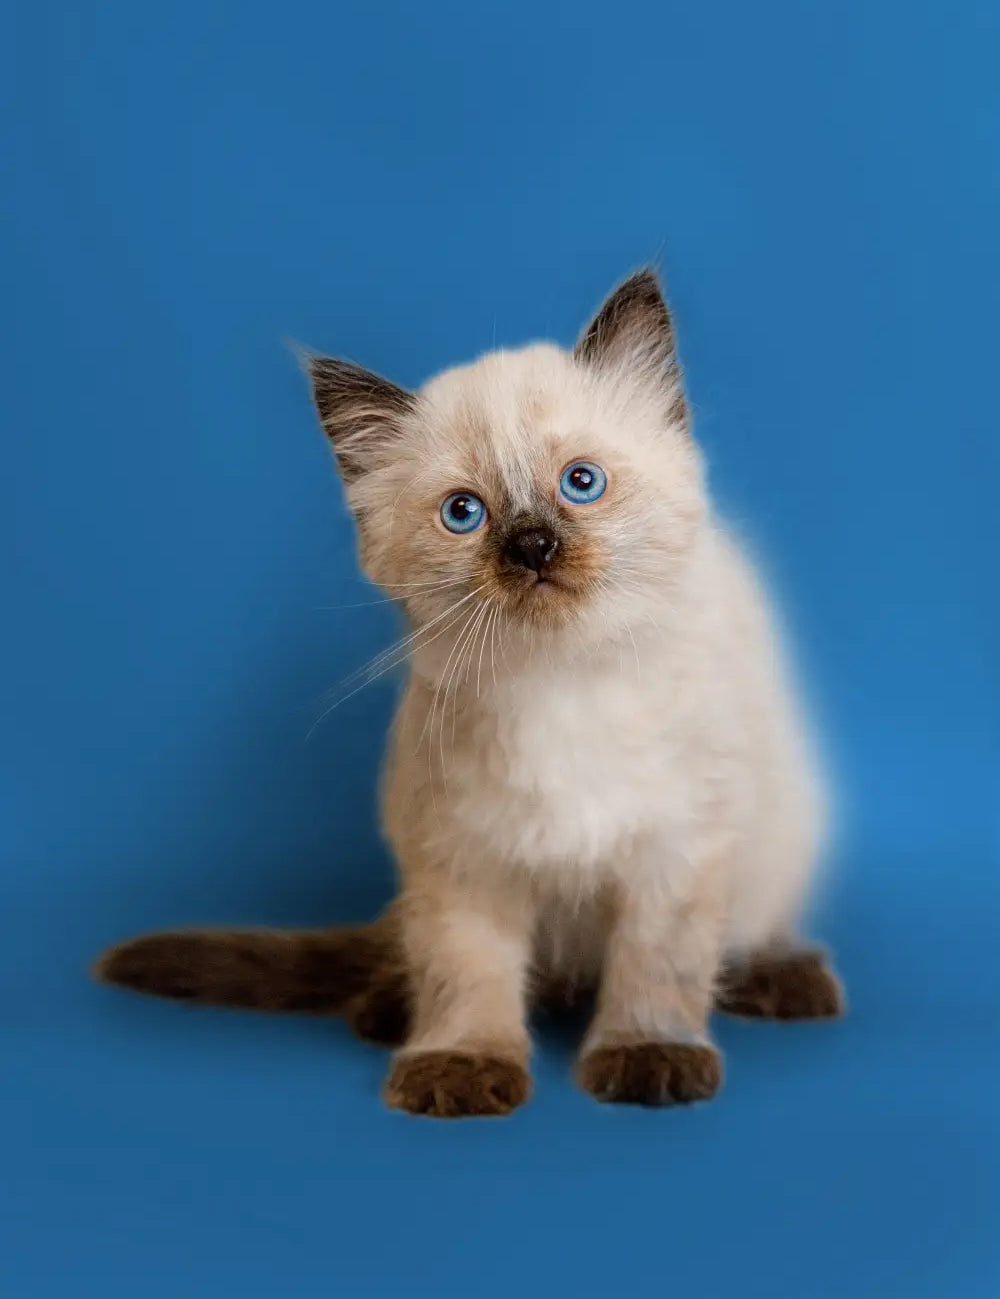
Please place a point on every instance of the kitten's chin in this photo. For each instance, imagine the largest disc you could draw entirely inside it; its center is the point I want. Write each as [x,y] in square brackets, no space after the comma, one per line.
[546,602]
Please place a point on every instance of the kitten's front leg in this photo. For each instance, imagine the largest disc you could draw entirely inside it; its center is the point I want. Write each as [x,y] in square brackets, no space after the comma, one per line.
[468,953]
[648,1043]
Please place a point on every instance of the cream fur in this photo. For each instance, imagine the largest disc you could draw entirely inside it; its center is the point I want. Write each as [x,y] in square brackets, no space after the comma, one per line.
[607,780]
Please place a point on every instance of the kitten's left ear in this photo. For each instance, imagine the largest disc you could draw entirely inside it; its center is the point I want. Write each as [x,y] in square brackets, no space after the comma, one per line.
[633,336]
[360,411]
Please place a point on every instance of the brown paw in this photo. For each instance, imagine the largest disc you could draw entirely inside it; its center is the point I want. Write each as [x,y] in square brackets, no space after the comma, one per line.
[454,1085]
[652,1073]
[799,985]
[381,1014]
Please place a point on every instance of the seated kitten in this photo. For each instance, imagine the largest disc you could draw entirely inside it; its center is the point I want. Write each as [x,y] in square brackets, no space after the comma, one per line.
[597,780]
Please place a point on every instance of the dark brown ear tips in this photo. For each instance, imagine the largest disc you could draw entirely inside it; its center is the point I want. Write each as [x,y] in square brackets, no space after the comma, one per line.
[633,335]
[359,410]
[634,322]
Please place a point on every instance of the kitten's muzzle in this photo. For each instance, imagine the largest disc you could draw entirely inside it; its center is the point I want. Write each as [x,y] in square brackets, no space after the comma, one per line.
[532,548]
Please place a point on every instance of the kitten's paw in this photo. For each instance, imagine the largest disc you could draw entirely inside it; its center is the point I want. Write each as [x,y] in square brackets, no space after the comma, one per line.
[652,1073]
[796,985]
[381,1014]
[455,1085]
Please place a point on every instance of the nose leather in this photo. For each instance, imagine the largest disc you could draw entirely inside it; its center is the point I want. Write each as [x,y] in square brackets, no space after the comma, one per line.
[532,548]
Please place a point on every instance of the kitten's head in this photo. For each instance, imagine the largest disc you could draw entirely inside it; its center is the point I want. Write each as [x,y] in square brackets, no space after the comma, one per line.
[563,488]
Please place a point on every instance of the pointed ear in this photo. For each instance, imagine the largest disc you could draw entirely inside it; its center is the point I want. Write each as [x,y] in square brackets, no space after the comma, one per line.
[360,411]
[633,334]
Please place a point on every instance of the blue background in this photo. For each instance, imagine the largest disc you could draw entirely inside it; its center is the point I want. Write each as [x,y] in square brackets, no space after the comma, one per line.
[188,186]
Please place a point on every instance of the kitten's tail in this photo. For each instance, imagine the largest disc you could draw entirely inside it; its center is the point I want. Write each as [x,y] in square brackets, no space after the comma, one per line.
[320,972]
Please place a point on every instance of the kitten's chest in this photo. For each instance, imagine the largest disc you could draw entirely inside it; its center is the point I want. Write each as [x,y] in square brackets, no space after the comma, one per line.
[569,769]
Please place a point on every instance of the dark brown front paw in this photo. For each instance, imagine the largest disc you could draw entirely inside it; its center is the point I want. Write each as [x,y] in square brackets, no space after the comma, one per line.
[455,1085]
[796,985]
[652,1073]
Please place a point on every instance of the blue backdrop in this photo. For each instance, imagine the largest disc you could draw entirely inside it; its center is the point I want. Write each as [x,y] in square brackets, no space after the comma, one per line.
[190,185]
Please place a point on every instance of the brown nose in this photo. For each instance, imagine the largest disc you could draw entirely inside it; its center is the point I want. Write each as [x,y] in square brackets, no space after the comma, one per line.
[532,548]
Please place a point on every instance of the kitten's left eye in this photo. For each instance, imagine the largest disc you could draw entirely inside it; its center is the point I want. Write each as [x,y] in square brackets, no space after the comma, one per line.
[462,512]
[583,482]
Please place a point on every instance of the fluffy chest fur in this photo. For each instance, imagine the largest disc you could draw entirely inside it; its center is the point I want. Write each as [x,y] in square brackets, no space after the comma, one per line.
[571,764]
[563,767]
[597,778]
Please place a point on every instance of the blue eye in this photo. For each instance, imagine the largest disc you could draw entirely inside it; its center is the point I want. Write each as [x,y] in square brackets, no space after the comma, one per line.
[583,482]
[463,512]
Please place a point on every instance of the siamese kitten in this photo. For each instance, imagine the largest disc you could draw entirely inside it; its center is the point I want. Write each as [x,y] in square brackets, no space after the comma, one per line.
[597,782]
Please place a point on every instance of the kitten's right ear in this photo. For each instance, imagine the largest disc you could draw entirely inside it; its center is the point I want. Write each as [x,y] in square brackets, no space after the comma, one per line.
[360,411]
[633,336]
[633,329]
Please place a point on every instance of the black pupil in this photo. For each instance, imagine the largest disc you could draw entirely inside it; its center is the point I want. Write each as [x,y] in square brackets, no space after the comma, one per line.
[582,479]
[462,508]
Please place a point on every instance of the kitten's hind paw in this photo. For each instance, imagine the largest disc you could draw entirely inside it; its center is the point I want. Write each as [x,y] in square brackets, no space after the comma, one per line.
[651,1073]
[792,985]
[455,1085]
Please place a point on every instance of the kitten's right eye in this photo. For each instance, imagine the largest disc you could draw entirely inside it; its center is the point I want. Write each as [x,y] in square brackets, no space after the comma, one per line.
[463,512]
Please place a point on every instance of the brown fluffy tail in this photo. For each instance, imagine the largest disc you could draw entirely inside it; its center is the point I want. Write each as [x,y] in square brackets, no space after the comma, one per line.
[322,972]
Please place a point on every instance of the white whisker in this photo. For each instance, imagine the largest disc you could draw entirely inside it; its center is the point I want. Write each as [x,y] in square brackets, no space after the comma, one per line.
[432,584]
[465,658]
[493,657]
[387,661]
[486,627]
[455,653]
[407,640]
[635,647]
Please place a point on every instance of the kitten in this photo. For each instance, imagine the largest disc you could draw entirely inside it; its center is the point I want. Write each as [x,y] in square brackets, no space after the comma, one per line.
[597,780]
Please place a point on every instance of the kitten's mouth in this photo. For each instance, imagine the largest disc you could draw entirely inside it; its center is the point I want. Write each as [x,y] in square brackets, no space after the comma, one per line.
[544,586]
[543,590]
[544,600]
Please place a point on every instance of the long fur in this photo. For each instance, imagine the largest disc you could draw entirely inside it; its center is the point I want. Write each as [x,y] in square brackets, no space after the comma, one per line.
[600,780]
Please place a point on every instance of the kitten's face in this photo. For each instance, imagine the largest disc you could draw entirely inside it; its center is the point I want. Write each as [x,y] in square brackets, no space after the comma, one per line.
[560,490]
